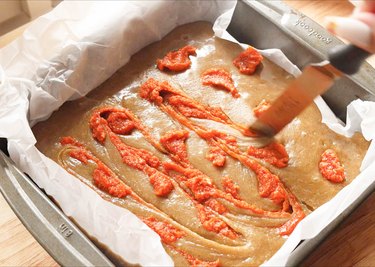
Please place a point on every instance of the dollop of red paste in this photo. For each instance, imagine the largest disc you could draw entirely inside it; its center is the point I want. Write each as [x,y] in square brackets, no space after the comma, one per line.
[106,181]
[202,187]
[230,187]
[330,167]
[248,60]
[220,78]
[120,123]
[177,60]
[273,153]
[261,108]
[115,118]
[270,185]
[97,124]
[162,184]
[152,90]
[167,232]
[174,142]
[215,205]
[216,155]
[214,224]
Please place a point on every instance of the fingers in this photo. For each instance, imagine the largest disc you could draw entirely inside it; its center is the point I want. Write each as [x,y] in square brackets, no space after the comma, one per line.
[366,17]
[366,6]
[359,31]
[359,28]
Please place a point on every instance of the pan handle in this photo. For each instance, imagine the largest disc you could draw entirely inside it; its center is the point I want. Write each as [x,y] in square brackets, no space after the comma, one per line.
[309,33]
[49,226]
[303,29]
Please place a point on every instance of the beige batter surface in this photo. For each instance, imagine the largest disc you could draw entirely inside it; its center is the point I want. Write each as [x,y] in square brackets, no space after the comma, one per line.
[257,236]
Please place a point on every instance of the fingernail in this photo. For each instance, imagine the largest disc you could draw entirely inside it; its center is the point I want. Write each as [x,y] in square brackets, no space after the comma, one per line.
[353,30]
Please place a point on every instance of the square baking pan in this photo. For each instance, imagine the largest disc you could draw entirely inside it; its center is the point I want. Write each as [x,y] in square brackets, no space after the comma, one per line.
[293,32]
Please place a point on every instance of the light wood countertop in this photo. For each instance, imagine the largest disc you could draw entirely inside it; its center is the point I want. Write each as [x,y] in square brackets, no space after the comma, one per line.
[351,244]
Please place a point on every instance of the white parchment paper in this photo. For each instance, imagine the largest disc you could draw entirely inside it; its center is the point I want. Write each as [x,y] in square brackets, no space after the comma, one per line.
[73,49]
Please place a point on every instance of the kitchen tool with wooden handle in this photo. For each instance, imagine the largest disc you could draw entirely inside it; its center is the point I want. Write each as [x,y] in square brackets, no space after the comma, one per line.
[314,80]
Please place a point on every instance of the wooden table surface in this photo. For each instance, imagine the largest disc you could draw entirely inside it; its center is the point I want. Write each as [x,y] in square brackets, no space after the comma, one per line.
[351,244]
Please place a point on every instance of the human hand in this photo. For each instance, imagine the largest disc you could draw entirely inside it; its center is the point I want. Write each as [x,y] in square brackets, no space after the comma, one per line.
[358,28]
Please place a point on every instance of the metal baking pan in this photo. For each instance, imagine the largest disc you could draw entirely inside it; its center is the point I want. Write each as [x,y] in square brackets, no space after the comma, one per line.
[288,30]
[45,221]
